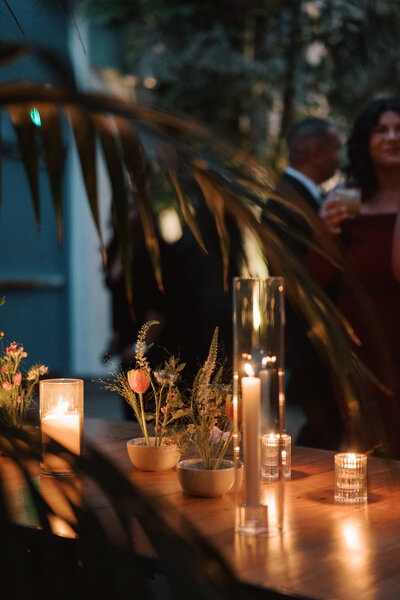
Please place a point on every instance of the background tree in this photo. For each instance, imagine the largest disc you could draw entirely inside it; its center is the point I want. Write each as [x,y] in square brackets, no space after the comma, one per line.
[249,68]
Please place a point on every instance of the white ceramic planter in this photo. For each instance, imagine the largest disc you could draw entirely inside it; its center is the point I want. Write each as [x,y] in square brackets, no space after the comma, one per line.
[207,483]
[152,458]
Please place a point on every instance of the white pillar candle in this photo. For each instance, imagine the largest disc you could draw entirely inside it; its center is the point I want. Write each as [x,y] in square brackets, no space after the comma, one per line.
[251,393]
[64,428]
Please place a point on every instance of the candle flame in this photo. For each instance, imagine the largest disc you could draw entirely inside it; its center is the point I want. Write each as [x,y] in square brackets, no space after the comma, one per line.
[351,460]
[268,360]
[61,408]
[249,370]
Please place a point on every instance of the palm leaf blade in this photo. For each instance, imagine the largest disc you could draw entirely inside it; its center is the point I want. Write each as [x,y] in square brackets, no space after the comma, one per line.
[111,152]
[25,130]
[186,212]
[85,139]
[137,169]
[54,155]
[215,203]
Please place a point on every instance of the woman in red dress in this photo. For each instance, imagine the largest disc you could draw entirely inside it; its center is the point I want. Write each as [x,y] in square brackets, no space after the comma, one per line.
[367,243]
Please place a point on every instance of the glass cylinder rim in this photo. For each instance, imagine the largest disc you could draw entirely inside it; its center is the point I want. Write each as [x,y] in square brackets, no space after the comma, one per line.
[249,278]
[63,380]
[279,436]
[344,455]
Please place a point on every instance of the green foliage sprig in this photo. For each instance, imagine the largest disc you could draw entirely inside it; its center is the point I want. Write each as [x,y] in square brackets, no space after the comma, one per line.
[211,428]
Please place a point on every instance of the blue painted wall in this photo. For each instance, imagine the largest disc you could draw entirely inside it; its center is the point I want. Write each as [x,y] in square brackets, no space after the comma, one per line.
[33,266]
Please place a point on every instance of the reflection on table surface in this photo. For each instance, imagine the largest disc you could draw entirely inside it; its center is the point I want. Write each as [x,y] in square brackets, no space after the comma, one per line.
[321,549]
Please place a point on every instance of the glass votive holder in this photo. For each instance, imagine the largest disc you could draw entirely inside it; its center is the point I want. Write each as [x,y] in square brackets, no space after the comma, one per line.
[61,419]
[350,478]
[276,456]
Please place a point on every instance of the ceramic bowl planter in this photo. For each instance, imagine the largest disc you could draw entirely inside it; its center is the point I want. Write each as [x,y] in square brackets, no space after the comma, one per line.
[207,483]
[152,458]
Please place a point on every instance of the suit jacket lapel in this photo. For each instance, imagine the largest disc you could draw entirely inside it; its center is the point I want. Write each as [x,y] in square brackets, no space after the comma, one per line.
[290,184]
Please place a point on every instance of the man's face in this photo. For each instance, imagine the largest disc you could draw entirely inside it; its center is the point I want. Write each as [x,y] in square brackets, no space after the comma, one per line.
[328,156]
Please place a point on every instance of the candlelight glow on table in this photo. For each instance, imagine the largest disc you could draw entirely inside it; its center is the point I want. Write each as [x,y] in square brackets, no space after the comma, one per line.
[61,419]
[350,478]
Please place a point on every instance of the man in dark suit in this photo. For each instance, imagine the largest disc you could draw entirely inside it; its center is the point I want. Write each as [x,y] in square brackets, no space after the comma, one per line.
[313,156]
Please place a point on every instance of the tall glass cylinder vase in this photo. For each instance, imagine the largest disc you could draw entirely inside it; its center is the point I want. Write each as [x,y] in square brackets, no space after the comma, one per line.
[61,420]
[258,392]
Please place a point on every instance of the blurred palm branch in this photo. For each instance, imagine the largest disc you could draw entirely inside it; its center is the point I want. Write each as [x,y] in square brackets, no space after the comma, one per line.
[133,139]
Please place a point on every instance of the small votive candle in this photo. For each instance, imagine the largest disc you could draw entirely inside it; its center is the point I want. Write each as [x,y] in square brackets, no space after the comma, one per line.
[350,478]
[276,455]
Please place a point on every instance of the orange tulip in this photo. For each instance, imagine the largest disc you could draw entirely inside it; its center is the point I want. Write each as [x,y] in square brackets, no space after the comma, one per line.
[138,380]
[229,410]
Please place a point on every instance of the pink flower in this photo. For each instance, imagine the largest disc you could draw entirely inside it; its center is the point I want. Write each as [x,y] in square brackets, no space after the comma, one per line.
[7,385]
[13,350]
[18,399]
[138,380]
[17,378]
[163,409]
[4,369]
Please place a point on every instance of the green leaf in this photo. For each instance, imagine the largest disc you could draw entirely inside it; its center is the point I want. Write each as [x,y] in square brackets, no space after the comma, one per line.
[215,203]
[136,165]
[171,160]
[107,134]
[85,139]
[182,412]
[54,155]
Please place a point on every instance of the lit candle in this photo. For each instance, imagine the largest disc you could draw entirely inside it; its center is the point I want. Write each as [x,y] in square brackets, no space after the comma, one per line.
[276,454]
[64,428]
[350,477]
[251,394]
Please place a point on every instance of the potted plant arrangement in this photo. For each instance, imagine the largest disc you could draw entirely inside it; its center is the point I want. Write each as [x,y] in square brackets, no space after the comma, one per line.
[210,431]
[16,390]
[156,401]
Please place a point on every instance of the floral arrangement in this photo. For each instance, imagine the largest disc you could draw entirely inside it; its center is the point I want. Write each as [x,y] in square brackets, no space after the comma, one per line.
[211,426]
[16,391]
[152,394]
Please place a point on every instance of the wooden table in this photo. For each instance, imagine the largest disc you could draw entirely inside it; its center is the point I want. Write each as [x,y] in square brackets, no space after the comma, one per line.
[324,550]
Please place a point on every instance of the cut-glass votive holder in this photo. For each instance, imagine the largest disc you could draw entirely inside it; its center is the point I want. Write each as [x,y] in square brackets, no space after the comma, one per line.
[350,478]
[276,456]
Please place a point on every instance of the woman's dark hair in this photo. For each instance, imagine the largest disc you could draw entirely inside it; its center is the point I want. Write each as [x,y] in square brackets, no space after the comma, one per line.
[360,169]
